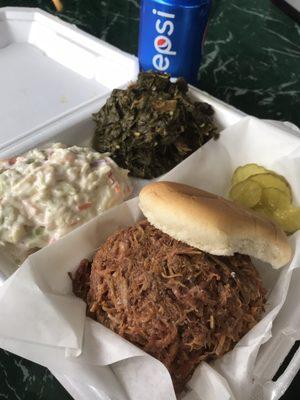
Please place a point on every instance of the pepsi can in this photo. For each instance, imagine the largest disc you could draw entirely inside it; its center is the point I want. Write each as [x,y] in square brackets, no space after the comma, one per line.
[171,36]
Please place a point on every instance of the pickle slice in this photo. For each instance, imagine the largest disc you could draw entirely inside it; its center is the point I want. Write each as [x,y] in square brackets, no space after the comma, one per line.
[270,180]
[263,211]
[288,219]
[281,177]
[246,193]
[267,193]
[275,199]
[244,172]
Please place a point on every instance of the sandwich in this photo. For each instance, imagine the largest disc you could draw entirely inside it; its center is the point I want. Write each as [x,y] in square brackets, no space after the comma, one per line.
[180,284]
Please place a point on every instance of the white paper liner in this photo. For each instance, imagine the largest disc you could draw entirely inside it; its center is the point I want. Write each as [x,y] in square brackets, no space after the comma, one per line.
[43,321]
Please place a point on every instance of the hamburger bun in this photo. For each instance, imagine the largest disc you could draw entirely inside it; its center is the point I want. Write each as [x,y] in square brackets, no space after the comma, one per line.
[213,224]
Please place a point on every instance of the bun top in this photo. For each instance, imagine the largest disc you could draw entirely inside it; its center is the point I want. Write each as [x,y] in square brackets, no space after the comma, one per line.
[213,224]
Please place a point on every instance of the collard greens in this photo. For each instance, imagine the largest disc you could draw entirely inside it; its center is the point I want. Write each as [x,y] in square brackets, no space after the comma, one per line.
[153,125]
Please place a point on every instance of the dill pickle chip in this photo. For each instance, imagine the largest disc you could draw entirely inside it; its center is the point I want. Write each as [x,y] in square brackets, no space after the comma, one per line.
[263,211]
[244,172]
[267,193]
[270,180]
[288,219]
[246,193]
[281,177]
[275,199]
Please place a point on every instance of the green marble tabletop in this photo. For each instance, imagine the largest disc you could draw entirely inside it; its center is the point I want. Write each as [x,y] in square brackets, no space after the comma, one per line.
[252,61]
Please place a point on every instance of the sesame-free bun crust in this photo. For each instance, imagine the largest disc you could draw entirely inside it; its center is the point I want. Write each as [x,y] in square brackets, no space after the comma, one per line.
[213,224]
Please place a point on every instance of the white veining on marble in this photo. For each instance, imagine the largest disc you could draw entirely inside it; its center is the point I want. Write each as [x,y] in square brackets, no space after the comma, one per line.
[26,374]
[109,26]
[228,39]
[7,382]
[256,13]
[286,53]
[209,58]
[297,45]
[134,2]
[222,66]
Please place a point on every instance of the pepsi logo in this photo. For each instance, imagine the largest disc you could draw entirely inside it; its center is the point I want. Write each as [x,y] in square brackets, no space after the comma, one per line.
[164,27]
[161,42]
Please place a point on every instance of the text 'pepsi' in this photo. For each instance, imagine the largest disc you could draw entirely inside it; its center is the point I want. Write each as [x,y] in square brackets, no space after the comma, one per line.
[171,36]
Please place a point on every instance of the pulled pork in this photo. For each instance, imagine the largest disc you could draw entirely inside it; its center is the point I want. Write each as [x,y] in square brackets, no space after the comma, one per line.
[175,302]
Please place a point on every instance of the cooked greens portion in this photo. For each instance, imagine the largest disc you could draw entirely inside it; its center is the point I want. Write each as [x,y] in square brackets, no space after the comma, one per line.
[152,125]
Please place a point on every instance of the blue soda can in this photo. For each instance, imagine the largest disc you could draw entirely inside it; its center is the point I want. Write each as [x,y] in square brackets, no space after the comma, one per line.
[171,36]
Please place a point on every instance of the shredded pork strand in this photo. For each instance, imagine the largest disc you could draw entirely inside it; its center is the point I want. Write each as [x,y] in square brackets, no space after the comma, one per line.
[175,302]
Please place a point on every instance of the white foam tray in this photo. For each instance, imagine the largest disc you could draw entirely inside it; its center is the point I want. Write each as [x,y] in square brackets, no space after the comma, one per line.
[53,76]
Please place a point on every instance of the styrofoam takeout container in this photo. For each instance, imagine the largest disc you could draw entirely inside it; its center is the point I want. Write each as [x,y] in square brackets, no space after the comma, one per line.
[53,77]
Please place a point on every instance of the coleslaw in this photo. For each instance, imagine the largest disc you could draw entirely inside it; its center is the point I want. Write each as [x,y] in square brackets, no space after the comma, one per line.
[46,193]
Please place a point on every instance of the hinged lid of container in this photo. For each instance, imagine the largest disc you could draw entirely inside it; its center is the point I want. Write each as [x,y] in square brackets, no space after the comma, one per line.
[49,69]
